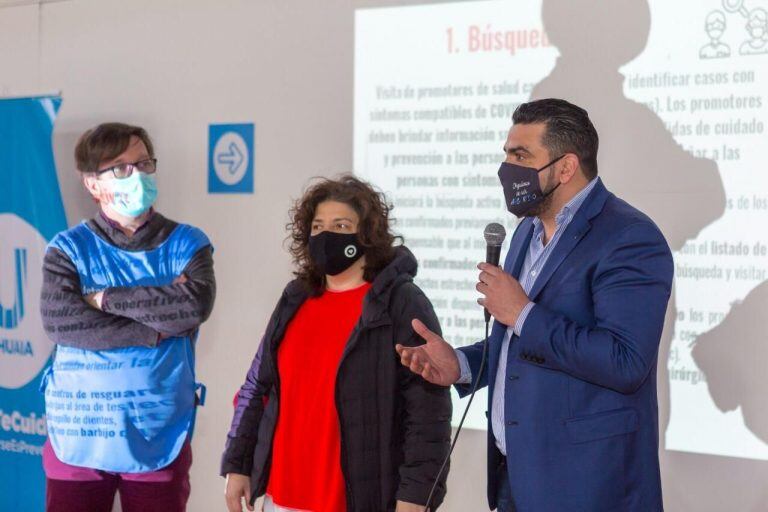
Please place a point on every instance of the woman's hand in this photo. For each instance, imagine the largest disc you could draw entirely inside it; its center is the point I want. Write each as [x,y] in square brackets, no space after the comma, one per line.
[403,506]
[237,488]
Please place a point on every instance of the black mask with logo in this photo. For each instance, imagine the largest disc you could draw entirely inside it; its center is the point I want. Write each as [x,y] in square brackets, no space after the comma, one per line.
[333,253]
[522,191]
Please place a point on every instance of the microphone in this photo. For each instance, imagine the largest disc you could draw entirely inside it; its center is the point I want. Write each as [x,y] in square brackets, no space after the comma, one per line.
[494,237]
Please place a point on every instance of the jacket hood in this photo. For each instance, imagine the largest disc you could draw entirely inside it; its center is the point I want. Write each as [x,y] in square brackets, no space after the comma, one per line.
[403,267]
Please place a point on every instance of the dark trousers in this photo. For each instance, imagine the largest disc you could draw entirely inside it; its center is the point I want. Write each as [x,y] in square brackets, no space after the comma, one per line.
[504,500]
[168,494]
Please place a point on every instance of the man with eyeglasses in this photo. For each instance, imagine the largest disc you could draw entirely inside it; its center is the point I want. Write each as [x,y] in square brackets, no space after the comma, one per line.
[123,297]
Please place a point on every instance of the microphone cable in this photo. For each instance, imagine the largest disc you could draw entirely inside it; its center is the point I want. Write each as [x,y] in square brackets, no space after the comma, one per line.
[463,417]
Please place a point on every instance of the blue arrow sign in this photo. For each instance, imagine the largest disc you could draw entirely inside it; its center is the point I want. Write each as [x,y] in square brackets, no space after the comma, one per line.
[234,158]
[231,158]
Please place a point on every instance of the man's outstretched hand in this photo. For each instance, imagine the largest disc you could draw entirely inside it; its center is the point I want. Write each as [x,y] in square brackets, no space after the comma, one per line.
[435,361]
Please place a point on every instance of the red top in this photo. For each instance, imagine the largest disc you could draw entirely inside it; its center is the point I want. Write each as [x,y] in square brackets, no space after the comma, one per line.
[306,451]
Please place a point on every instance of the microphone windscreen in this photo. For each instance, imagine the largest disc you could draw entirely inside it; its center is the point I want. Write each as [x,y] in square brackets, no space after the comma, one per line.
[494,234]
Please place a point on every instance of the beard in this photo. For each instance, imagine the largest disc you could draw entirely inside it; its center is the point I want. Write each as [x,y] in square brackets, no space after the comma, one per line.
[545,203]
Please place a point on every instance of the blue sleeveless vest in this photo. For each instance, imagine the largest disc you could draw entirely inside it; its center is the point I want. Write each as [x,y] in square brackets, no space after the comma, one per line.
[126,410]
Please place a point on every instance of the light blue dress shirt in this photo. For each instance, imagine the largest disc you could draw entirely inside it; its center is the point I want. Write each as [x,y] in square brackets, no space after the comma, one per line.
[535,259]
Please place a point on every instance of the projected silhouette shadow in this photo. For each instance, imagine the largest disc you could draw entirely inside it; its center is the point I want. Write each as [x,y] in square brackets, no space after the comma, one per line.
[733,358]
[642,163]
[639,159]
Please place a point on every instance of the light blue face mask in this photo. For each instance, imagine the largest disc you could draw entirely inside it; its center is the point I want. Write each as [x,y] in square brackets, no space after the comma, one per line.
[135,194]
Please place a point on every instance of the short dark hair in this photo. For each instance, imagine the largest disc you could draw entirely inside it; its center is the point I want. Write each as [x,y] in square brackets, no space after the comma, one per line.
[374,230]
[106,142]
[569,130]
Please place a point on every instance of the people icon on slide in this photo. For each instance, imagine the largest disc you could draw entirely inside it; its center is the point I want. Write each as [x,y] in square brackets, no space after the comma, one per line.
[757,27]
[757,30]
[715,27]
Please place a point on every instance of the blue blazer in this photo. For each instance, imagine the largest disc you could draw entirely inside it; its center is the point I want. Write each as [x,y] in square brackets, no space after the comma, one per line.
[580,411]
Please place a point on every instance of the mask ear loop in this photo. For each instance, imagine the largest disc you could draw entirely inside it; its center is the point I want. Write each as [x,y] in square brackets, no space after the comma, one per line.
[553,162]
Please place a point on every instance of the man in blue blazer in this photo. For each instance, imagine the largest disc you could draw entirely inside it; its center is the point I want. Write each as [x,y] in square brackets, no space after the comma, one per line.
[579,308]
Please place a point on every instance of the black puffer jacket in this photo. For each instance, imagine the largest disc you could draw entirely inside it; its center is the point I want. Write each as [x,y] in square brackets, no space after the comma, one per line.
[395,427]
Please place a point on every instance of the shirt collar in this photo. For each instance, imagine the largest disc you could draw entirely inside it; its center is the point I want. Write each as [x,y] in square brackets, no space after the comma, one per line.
[570,208]
[114,225]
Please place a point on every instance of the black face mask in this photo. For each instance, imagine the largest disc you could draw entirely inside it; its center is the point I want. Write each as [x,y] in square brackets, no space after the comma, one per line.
[333,253]
[522,191]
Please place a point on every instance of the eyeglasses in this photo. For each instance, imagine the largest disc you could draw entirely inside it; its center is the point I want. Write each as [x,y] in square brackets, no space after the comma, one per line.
[122,171]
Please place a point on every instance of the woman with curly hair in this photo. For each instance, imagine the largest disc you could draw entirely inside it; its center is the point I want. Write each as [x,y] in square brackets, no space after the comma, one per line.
[328,420]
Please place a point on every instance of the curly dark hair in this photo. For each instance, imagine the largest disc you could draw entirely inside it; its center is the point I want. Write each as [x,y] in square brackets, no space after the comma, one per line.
[374,230]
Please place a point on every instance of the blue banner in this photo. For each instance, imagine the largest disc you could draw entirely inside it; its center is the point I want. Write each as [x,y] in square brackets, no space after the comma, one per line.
[31,213]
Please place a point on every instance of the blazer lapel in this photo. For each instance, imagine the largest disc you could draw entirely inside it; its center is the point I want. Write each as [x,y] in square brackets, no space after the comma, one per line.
[579,226]
[518,247]
[570,239]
